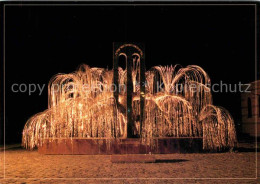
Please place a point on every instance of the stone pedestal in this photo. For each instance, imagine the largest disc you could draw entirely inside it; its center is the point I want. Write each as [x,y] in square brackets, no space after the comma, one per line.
[101,146]
[145,158]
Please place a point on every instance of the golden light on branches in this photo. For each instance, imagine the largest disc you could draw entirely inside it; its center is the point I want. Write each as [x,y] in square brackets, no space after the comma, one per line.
[178,103]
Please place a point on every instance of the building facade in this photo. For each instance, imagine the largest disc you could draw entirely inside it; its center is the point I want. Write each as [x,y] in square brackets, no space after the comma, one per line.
[250,107]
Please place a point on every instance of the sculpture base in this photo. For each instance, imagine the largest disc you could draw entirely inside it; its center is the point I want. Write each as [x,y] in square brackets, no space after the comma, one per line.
[133,158]
[103,146]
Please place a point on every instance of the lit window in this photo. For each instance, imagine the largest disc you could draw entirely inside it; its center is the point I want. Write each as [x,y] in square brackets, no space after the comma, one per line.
[249,108]
[259,106]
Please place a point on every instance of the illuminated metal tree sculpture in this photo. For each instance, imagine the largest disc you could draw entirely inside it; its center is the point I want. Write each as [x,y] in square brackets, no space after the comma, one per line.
[166,101]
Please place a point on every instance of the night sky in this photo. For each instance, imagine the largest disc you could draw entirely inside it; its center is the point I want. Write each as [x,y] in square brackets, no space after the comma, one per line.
[42,41]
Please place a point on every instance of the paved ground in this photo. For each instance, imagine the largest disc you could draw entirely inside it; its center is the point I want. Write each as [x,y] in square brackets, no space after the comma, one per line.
[22,166]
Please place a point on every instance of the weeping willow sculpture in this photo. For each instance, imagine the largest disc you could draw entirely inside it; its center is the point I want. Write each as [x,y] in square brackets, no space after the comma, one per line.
[178,103]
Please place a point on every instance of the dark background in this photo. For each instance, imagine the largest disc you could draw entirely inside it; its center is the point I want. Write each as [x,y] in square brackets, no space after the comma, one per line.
[42,41]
